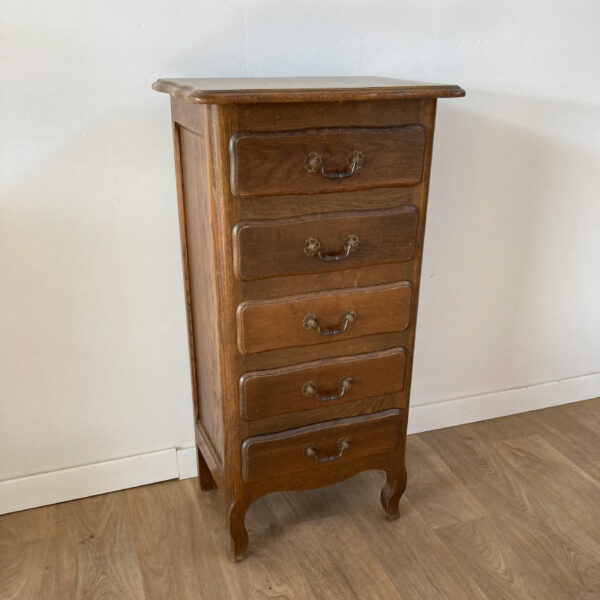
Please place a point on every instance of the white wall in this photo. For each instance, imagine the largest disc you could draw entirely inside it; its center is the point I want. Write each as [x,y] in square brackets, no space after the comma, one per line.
[93,343]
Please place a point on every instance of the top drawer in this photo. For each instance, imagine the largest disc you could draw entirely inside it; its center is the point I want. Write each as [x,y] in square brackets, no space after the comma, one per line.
[310,161]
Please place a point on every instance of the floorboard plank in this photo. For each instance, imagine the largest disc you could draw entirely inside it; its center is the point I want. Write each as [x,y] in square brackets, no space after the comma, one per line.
[28,570]
[178,558]
[413,557]
[27,525]
[537,524]
[556,477]
[435,491]
[329,545]
[499,567]
[97,557]
[270,569]
[502,509]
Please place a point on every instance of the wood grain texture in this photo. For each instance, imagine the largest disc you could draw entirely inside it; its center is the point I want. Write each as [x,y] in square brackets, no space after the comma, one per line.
[276,454]
[300,89]
[398,134]
[176,562]
[97,551]
[199,258]
[279,247]
[268,393]
[439,504]
[526,530]
[271,163]
[287,116]
[29,570]
[378,309]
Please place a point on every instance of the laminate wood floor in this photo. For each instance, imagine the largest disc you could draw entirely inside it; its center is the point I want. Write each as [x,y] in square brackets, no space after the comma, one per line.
[501,509]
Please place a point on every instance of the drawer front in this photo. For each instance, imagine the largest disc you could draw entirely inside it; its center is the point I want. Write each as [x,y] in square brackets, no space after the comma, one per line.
[313,385]
[312,448]
[315,244]
[323,317]
[326,160]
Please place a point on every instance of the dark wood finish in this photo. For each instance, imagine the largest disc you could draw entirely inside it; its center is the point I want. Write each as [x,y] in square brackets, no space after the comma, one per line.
[270,324]
[279,247]
[268,163]
[251,330]
[274,392]
[300,89]
[286,116]
[277,454]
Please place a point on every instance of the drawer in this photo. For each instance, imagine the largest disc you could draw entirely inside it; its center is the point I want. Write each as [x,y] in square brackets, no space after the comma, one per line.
[315,244]
[322,317]
[316,446]
[312,385]
[309,161]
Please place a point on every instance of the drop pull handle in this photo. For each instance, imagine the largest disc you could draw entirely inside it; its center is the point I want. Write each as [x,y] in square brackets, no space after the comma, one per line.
[342,445]
[313,163]
[312,389]
[312,247]
[311,321]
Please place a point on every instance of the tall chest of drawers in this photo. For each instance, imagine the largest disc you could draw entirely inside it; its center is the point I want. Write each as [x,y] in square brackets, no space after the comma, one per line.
[302,208]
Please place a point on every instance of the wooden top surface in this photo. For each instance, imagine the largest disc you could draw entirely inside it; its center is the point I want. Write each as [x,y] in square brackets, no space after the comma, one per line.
[300,89]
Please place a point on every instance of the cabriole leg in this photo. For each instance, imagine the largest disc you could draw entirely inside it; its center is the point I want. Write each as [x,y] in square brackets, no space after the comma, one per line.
[392,491]
[237,529]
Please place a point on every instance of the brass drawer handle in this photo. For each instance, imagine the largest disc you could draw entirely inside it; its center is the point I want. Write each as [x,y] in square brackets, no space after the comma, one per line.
[343,444]
[311,389]
[313,163]
[312,247]
[311,321]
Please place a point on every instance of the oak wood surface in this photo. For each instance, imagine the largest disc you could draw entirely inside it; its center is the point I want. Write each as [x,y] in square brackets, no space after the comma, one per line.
[281,207]
[272,392]
[202,137]
[270,324]
[276,454]
[288,116]
[267,248]
[196,217]
[484,517]
[300,89]
[267,163]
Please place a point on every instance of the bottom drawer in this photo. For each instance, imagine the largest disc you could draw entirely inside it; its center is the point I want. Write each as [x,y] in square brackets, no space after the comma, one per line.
[312,447]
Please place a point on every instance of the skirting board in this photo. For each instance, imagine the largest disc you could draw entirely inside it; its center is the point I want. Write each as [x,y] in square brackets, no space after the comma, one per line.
[97,478]
[458,411]
[132,471]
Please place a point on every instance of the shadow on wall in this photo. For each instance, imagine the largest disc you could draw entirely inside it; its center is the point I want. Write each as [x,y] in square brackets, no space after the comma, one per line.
[510,292]
[93,301]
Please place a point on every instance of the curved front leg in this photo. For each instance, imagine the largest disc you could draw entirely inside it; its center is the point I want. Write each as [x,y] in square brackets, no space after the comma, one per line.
[392,491]
[237,529]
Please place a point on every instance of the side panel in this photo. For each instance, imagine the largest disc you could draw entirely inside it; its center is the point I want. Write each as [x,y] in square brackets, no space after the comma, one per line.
[196,218]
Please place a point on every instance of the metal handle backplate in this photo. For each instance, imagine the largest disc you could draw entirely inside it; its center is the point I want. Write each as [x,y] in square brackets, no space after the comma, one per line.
[312,389]
[311,321]
[312,247]
[342,445]
[313,163]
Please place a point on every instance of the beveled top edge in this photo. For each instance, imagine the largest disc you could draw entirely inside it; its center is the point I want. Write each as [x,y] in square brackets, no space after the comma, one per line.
[300,89]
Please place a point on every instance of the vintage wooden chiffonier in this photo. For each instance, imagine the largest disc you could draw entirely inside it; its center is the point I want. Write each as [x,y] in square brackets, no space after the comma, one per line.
[302,208]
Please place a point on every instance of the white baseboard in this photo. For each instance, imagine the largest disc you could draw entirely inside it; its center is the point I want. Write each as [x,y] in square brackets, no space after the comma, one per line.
[457,411]
[187,462]
[87,480]
[109,476]
[98,478]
